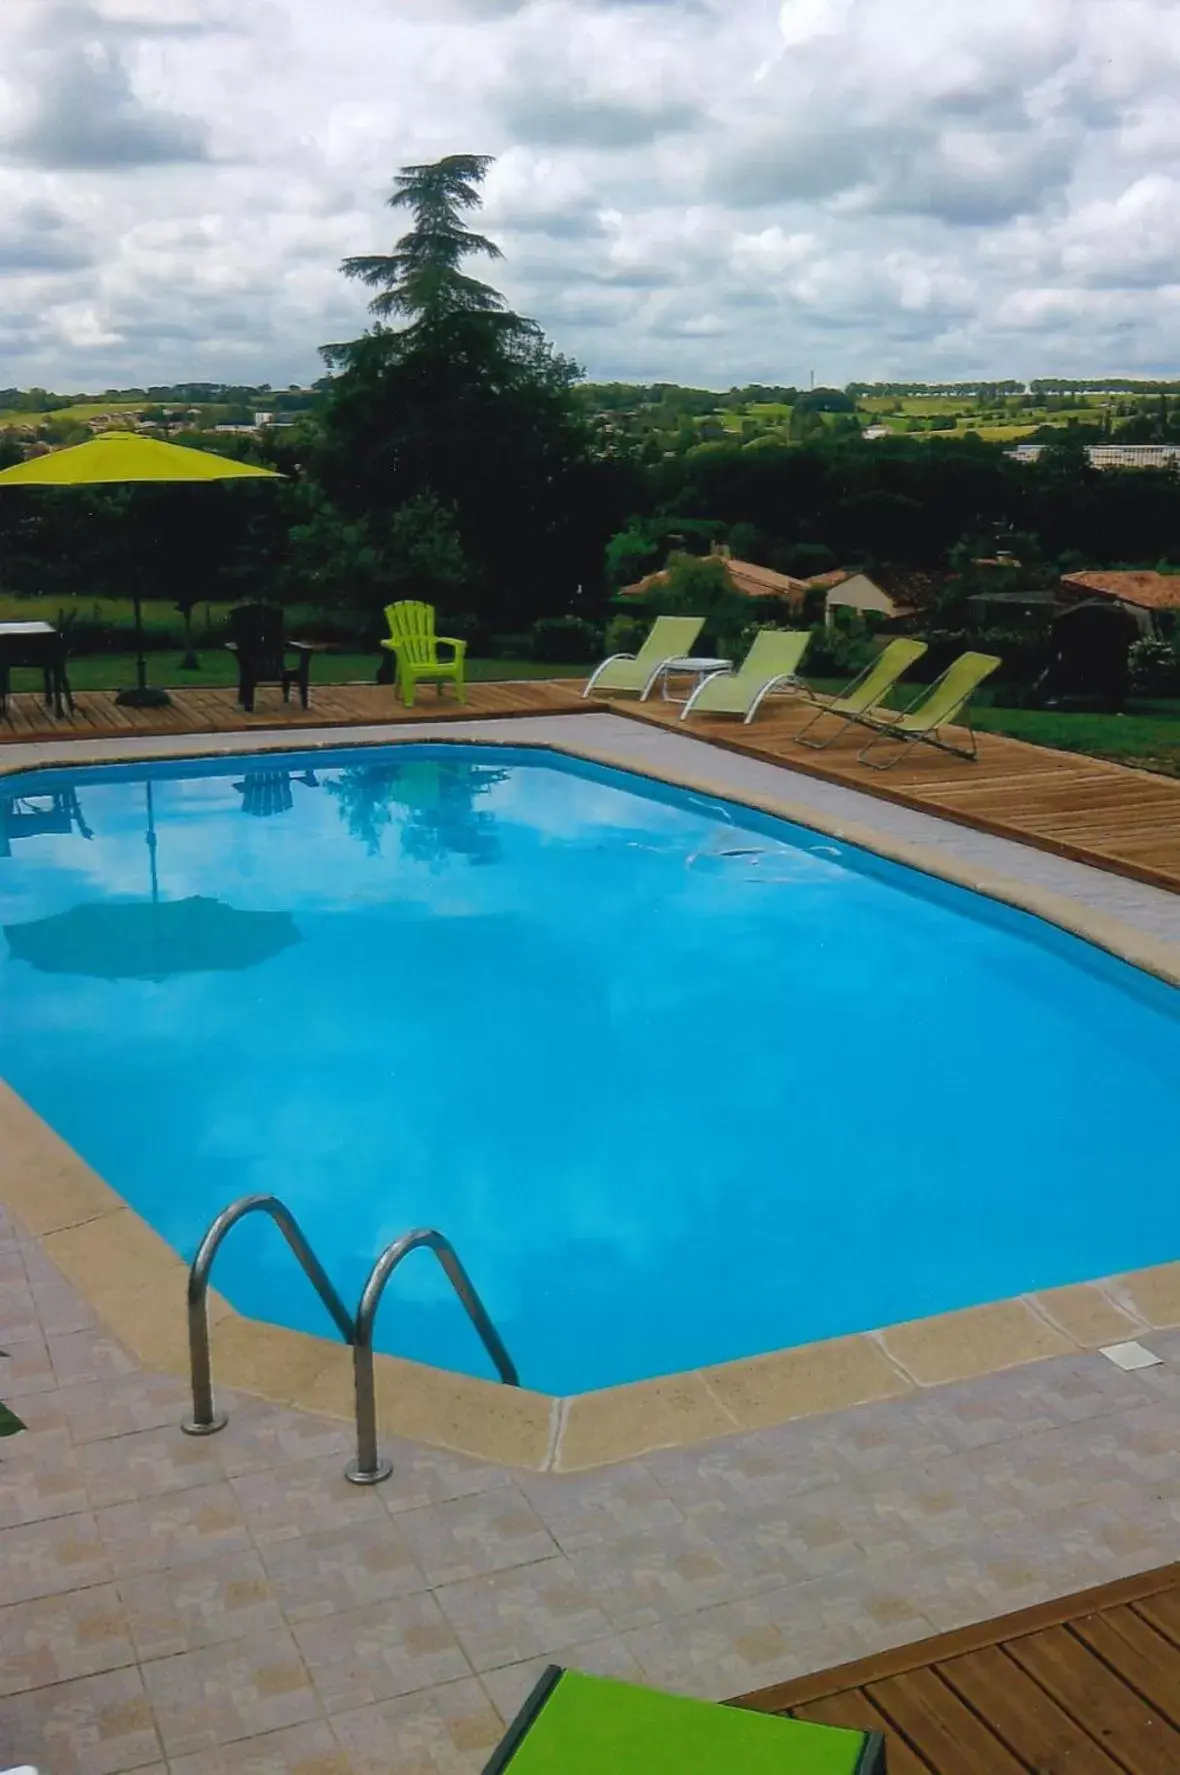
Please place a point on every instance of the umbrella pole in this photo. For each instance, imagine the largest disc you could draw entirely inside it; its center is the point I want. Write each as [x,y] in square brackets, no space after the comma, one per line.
[151,842]
[142,695]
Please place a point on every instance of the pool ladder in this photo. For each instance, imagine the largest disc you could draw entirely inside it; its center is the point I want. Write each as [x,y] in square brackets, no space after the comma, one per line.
[368,1467]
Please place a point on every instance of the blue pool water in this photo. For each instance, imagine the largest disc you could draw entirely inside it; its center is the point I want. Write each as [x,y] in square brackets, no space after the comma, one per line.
[681,1082]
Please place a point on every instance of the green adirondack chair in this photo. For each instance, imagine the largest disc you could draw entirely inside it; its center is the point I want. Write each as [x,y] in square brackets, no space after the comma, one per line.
[413,640]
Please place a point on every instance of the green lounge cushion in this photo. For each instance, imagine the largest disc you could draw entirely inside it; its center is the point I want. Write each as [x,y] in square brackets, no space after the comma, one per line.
[590,1725]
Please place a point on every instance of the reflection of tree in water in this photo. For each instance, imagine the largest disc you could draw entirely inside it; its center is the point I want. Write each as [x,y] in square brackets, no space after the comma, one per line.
[437,798]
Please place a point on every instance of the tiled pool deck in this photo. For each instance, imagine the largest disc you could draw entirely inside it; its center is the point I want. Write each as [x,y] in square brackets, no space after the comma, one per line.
[233,1605]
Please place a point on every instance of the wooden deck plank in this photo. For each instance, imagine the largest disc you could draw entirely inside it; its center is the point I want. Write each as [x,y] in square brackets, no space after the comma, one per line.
[1054,1690]
[1157,1591]
[1138,1654]
[856,1711]
[942,1729]
[211,710]
[1027,1719]
[1134,1734]
[1090,810]
[1163,1612]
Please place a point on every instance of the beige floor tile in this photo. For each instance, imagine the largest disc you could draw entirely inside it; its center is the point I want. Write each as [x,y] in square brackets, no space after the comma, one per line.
[87,1356]
[798,1383]
[98,1409]
[372,1654]
[172,1529]
[302,1499]
[310,1749]
[96,1725]
[978,1341]
[535,1611]
[188,1607]
[147,1463]
[450,1730]
[1154,1294]
[48,1558]
[466,1536]
[40,1484]
[234,1690]
[622,1423]
[472,1417]
[1088,1315]
[58,1638]
[332,1570]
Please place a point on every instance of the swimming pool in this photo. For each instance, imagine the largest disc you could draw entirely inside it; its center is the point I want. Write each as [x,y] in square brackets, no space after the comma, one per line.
[680,1081]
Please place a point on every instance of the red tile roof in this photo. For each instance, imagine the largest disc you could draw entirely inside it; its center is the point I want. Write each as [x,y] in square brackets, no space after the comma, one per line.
[744,576]
[1150,591]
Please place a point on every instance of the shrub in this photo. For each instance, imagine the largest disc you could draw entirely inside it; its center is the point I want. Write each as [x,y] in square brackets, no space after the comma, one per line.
[1155,668]
[466,626]
[832,653]
[1024,653]
[566,640]
[624,634]
[512,647]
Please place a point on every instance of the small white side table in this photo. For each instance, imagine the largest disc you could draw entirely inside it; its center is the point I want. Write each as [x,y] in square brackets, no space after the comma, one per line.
[688,667]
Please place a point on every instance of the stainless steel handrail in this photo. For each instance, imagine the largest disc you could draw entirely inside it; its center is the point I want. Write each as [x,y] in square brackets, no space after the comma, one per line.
[206,1420]
[368,1467]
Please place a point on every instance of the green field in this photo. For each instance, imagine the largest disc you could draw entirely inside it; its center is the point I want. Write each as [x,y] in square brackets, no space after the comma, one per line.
[77,415]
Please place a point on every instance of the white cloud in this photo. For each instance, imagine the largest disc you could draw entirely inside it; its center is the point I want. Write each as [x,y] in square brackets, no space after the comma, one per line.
[910,188]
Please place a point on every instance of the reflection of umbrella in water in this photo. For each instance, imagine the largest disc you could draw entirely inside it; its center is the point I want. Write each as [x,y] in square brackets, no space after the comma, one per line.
[144,940]
[149,940]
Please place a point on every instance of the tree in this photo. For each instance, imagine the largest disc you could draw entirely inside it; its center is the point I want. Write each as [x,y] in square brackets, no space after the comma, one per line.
[420,282]
[467,403]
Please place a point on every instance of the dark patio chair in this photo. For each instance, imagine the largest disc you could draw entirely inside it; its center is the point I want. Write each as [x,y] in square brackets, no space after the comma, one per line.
[262,650]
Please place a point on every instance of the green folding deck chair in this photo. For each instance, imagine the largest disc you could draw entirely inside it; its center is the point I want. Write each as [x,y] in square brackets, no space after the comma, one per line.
[413,640]
[671,637]
[866,692]
[934,709]
[771,664]
[591,1725]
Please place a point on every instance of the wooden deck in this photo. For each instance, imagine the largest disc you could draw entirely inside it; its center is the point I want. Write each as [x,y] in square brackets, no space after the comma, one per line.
[98,716]
[1116,818]
[1089,1685]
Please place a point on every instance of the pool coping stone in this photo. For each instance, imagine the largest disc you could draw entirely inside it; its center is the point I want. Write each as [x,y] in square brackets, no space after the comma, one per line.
[136,1282]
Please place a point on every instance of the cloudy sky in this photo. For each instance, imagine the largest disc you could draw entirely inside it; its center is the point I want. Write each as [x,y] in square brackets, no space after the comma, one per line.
[709,191]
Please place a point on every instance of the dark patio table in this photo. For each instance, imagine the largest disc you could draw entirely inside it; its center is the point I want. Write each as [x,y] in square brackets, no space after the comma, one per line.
[40,645]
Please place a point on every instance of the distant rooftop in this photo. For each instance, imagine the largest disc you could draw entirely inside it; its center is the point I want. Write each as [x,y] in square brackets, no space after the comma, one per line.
[1112,455]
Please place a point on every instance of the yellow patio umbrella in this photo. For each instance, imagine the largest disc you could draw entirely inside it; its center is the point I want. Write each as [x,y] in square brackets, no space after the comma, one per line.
[123,457]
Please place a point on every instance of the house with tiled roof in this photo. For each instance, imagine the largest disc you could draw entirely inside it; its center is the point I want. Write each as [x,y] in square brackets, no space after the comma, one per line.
[744,576]
[890,593]
[1153,599]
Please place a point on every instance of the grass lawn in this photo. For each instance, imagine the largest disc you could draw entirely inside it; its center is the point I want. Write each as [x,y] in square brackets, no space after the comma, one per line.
[160,615]
[1148,737]
[114,671]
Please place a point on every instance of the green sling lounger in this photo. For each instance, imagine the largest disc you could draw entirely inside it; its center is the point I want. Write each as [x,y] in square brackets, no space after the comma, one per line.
[591,1725]
[866,692]
[671,637]
[771,664]
[936,708]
